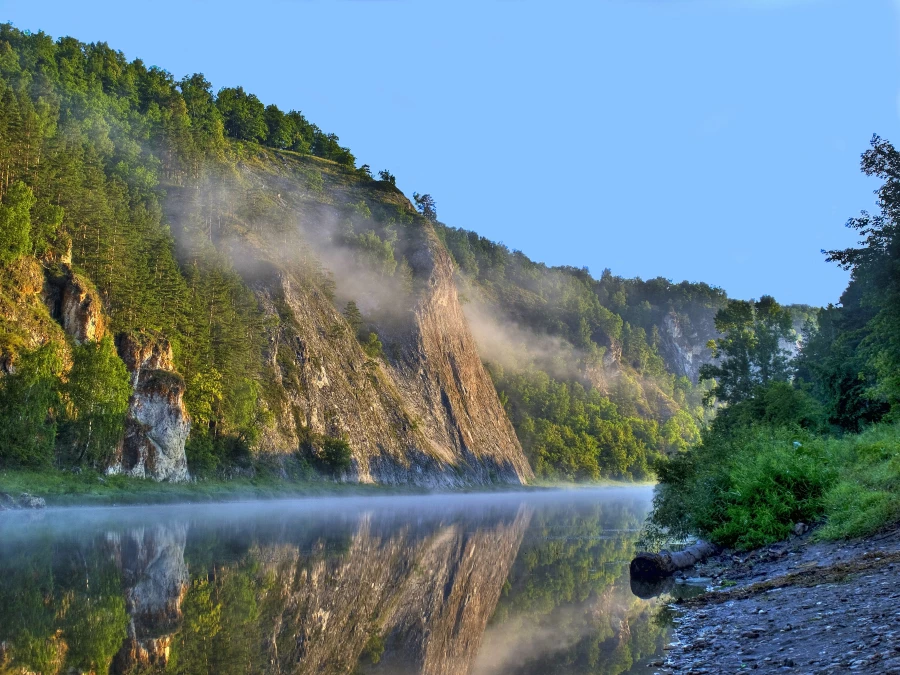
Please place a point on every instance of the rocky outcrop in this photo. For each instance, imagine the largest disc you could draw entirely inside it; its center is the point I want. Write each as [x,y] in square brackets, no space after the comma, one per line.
[157,425]
[25,501]
[75,304]
[425,411]
[683,341]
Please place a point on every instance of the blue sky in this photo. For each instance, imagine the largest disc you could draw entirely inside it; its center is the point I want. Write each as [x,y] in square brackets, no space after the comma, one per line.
[708,140]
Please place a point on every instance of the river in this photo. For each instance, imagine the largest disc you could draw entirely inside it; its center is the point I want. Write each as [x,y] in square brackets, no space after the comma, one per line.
[474,584]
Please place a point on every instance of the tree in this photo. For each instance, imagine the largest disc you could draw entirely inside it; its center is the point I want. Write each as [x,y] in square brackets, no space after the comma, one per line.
[278,127]
[15,222]
[387,177]
[425,204]
[243,114]
[28,398]
[97,393]
[875,275]
[354,317]
[751,351]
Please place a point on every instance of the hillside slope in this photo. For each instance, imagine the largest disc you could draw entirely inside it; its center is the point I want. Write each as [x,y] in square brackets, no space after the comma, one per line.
[198,284]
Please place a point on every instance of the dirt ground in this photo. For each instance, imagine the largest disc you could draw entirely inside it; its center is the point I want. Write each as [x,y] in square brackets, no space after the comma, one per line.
[795,607]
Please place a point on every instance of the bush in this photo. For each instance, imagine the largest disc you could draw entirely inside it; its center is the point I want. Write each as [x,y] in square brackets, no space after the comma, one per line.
[335,455]
[327,454]
[746,488]
[866,497]
[772,486]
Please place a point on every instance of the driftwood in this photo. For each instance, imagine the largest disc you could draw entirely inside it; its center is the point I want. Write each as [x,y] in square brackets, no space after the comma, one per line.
[649,566]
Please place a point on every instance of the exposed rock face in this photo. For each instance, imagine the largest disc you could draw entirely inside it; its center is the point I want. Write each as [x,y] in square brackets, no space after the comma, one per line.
[156,580]
[426,411]
[157,426]
[76,305]
[684,347]
[445,380]
[426,414]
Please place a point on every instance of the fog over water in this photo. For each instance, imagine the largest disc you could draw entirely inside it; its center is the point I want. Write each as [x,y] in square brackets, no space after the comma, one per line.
[532,582]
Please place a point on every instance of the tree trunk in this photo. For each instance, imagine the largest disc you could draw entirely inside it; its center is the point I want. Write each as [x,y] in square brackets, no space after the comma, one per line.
[647,566]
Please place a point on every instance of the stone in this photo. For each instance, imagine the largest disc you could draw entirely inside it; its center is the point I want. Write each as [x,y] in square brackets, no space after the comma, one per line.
[157,426]
[800,529]
[29,501]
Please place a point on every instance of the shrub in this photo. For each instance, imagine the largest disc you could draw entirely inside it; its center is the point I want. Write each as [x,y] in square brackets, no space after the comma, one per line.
[335,455]
[746,488]
[866,497]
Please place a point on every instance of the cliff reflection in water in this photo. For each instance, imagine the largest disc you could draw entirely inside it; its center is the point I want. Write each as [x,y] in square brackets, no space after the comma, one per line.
[533,583]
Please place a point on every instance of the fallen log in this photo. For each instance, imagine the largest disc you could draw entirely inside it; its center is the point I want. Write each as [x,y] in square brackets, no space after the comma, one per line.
[649,566]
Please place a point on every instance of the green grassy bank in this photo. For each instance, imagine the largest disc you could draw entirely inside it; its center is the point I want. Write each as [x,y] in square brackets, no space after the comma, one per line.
[749,488]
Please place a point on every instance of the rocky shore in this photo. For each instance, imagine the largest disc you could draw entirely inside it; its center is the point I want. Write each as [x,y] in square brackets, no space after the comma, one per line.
[799,606]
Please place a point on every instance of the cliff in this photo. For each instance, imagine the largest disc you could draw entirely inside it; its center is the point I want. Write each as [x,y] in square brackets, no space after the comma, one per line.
[157,425]
[423,410]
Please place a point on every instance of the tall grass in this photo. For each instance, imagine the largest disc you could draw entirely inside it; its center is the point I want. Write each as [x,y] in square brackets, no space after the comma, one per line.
[750,488]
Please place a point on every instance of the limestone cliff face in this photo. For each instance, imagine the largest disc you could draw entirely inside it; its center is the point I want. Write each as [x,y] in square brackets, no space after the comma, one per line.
[157,425]
[683,346]
[75,304]
[425,411]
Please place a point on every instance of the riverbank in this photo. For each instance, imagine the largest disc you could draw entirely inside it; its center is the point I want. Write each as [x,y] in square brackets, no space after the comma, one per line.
[798,606]
[89,488]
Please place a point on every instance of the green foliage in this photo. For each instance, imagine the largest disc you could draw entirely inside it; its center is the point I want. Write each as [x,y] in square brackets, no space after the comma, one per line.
[750,353]
[372,346]
[374,648]
[866,497]
[15,222]
[426,205]
[242,114]
[354,317]
[28,399]
[745,487]
[333,455]
[574,433]
[96,391]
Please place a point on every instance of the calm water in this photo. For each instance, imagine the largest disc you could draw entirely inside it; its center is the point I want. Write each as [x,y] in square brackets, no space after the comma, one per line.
[470,584]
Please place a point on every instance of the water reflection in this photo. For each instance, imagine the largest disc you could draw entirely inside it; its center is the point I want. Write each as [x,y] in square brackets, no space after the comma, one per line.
[533,583]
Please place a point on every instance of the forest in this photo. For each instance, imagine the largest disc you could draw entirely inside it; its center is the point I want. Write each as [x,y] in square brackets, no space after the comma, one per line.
[98,153]
[105,168]
[804,438]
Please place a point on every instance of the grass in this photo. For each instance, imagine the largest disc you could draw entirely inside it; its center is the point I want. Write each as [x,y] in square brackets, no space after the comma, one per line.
[62,488]
[749,489]
[866,496]
[89,488]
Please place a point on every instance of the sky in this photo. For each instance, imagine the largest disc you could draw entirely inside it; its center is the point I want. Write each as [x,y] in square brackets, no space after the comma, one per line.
[707,140]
